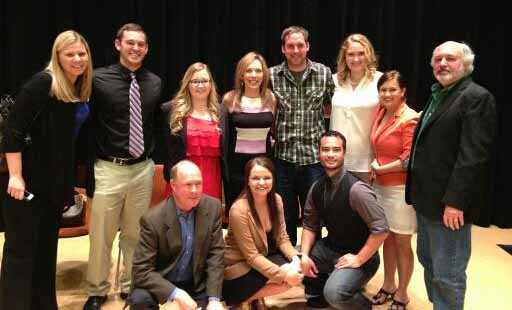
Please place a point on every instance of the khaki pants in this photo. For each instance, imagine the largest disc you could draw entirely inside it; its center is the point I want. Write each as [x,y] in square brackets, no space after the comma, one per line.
[121,197]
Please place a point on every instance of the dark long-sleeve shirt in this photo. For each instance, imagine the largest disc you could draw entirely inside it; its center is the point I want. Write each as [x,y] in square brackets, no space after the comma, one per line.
[48,162]
[110,107]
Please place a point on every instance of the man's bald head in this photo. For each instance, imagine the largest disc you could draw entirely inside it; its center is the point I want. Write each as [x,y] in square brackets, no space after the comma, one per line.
[187,185]
[184,165]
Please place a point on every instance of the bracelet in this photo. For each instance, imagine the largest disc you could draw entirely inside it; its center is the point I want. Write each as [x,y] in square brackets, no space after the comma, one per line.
[405,163]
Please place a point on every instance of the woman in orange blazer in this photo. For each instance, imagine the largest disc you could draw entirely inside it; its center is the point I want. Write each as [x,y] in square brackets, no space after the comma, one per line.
[259,258]
[391,138]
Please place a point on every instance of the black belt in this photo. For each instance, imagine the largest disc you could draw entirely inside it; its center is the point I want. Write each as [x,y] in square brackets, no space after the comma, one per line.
[123,161]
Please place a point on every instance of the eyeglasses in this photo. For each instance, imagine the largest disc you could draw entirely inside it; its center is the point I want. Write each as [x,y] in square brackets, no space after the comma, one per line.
[196,83]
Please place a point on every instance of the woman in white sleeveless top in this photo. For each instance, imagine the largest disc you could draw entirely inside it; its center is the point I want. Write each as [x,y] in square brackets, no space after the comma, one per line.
[355,101]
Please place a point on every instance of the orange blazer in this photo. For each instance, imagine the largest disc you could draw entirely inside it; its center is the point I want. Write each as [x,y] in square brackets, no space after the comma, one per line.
[393,141]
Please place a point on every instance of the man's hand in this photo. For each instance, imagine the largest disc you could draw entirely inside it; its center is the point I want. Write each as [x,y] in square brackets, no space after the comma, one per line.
[185,302]
[308,266]
[214,305]
[453,218]
[348,261]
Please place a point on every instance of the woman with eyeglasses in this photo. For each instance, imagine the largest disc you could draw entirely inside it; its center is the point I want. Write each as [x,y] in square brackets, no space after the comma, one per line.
[251,106]
[197,128]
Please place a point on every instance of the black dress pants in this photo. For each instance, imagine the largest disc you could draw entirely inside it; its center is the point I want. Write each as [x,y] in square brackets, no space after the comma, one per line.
[141,299]
[27,278]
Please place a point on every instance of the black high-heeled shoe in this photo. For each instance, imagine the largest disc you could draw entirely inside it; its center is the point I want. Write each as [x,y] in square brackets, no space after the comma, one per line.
[382,297]
[398,305]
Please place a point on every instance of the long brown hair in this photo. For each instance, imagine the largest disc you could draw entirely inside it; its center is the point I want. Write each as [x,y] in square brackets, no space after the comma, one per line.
[266,163]
[240,71]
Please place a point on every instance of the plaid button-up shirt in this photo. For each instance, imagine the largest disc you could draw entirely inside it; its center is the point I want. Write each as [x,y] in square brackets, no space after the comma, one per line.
[300,114]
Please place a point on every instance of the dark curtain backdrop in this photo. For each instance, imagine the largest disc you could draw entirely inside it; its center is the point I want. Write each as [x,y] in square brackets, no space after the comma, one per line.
[403,32]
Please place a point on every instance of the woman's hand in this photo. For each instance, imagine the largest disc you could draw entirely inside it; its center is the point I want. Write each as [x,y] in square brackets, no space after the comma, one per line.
[295,263]
[16,187]
[293,277]
[375,166]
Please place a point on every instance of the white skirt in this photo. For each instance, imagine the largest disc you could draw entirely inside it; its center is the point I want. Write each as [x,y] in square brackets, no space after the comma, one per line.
[401,216]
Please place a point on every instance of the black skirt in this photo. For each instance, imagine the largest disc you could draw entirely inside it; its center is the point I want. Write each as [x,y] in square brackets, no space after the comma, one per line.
[238,290]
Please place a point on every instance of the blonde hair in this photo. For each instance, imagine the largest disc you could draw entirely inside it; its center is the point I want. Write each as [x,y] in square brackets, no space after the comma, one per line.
[182,101]
[241,67]
[369,53]
[62,88]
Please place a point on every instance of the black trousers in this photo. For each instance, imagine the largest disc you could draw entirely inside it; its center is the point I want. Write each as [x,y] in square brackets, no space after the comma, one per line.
[141,299]
[27,278]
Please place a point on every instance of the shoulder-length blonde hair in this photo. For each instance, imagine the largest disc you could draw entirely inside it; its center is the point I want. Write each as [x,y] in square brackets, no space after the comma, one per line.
[369,53]
[182,101]
[61,87]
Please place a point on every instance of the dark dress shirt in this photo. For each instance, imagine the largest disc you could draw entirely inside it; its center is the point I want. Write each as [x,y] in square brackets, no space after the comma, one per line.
[182,272]
[110,109]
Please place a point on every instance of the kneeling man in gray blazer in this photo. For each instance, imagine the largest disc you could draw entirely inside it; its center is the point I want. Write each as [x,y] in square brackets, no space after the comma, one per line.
[180,253]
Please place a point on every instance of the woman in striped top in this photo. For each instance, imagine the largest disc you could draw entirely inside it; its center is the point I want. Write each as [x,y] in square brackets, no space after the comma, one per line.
[251,107]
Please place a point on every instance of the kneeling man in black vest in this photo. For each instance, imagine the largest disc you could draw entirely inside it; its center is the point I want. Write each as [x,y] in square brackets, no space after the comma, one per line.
[339,265]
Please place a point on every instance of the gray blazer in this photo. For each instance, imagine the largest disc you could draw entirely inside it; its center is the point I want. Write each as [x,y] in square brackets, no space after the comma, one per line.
[160,247]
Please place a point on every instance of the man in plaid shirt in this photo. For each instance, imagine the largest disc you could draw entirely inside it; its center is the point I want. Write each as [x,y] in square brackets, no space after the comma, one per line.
[303,89]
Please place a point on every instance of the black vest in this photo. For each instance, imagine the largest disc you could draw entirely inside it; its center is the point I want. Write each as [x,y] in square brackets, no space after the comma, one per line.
[347,230]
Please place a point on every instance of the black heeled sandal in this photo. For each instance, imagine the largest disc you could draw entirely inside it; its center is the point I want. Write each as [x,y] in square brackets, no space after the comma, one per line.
[382,297]
[398,305]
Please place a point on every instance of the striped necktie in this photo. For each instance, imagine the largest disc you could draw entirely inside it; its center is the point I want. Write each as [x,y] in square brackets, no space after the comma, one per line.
[136,142]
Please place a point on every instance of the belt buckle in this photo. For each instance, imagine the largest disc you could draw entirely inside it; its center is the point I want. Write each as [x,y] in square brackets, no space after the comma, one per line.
[119,161]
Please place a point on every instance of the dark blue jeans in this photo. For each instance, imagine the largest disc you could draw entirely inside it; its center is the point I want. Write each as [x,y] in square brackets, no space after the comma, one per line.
[444,254]
[293,183]
[341,288]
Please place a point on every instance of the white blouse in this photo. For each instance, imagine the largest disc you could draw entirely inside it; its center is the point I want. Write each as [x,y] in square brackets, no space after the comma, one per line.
[353,113]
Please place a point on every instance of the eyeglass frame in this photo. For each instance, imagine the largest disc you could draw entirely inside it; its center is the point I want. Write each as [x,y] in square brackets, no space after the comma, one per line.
[196,83]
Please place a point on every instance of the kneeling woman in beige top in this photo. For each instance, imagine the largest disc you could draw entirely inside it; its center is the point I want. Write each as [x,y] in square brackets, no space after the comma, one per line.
[260,260]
